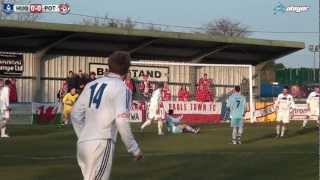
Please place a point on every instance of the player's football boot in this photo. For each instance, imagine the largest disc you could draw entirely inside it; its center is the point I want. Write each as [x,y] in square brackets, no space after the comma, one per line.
[161,134]
[239,140]
[197,131]
[234,141]
[5,136]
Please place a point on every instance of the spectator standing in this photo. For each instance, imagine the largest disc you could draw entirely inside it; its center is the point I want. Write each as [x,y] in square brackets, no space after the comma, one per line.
[62,91]
[72,81]
[92,76]
[130,83]
[68,101]
[145,86]
[183,94]
[202,94]
[13,97]
[83,80]
[165,93]
[153,87]
[205,81]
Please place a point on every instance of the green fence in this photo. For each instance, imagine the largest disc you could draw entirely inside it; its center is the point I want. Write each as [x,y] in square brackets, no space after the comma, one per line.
[299,76]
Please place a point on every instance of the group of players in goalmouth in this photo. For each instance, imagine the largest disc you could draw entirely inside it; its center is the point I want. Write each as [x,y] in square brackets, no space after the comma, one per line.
[103,108]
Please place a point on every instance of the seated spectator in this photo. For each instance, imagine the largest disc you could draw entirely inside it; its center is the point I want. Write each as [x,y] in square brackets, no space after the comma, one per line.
[145,86]
[68,101]
[129,82]
[92,77]
[183,94]
[165,93]
[202,95]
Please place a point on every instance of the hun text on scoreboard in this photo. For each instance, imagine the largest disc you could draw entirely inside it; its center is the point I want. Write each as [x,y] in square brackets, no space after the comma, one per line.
[9,8]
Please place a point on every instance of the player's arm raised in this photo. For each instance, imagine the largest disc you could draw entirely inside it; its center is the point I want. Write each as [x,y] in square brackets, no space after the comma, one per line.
[78,112]
[122,109]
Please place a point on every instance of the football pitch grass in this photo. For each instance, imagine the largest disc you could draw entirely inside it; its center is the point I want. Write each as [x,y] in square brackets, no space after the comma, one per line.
[48,153]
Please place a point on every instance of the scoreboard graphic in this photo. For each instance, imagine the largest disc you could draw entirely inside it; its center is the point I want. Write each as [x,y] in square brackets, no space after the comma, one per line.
[10,8]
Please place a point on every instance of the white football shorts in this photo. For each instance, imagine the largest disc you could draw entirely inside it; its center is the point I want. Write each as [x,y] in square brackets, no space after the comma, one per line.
[283,117]
[95,159]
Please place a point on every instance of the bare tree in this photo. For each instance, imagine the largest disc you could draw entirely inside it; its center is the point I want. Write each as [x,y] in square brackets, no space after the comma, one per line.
[95,21]
[268,71]
[153,27]
[129,23]
[227,27]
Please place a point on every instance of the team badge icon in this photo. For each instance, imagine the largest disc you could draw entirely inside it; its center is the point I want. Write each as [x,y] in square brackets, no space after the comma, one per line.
[64,8]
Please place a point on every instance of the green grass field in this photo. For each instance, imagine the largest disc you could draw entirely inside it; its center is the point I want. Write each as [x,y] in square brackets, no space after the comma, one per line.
[48,153]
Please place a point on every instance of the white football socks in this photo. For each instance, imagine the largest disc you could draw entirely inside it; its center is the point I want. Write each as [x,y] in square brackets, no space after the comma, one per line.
[240,131]
[190,129]
[278,129]
[304,124]
[3,131]
[283,130]
[160,125]
[145,124]
[234,134]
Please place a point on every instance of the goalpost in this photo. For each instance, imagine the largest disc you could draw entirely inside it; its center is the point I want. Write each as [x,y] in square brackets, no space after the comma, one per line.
[224,77]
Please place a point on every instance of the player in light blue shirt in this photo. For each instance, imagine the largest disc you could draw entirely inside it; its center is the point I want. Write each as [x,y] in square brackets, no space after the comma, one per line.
[237,105]
[175,126]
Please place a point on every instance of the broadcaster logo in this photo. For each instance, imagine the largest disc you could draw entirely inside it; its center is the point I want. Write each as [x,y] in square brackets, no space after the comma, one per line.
[281,8]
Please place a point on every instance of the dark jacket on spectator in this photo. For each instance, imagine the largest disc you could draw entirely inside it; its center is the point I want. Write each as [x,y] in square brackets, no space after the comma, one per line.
[73,82]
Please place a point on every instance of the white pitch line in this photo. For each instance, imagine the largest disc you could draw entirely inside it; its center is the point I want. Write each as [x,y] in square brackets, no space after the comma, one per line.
[159,155]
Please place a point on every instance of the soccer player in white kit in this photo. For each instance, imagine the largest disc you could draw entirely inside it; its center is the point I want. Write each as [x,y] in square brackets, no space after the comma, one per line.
[313,101]
[154,111]
[99,113]
[284,108]
[4,109]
